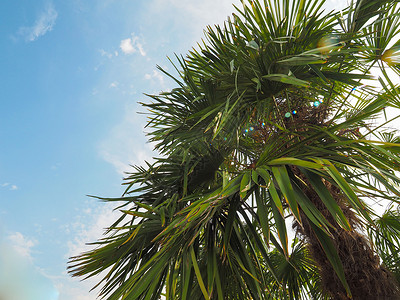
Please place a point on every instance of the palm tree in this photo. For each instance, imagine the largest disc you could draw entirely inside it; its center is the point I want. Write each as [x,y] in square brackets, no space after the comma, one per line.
[272,123]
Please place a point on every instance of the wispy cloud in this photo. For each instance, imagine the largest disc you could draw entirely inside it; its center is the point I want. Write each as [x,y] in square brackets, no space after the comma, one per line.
[9,186]
[126,144]
[194,16]
[105,53]
[74,288]
[88,227]
[22,245]
[132,45]
[156,75]
[108,54]
[43,24]
[114,84]
[20,278]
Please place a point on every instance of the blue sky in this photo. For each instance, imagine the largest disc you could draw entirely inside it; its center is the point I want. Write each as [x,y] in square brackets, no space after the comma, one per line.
[72,73]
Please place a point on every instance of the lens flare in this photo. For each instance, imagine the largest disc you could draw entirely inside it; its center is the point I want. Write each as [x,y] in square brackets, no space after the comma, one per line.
[317,103]
[327,43]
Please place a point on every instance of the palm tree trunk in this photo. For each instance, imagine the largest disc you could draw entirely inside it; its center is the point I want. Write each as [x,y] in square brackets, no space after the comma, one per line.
[367,278]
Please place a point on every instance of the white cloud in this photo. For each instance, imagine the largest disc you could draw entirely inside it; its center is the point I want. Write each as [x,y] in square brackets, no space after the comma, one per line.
[20,279]
[127,47]
[105,53]
[73,288]
[132,45]
[86,228]
[90,226]
[156,75]
[216,11]
[43,24]
[22,245]
[123,160]
[194,15]
[114,84]
[125,144]
[9,186]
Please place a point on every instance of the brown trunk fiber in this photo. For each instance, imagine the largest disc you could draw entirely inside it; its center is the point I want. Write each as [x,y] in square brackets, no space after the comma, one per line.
[365,275]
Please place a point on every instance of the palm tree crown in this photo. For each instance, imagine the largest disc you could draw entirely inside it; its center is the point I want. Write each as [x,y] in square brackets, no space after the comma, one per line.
[272,121]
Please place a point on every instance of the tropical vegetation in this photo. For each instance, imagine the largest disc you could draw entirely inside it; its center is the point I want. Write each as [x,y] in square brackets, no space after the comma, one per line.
[280,118]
